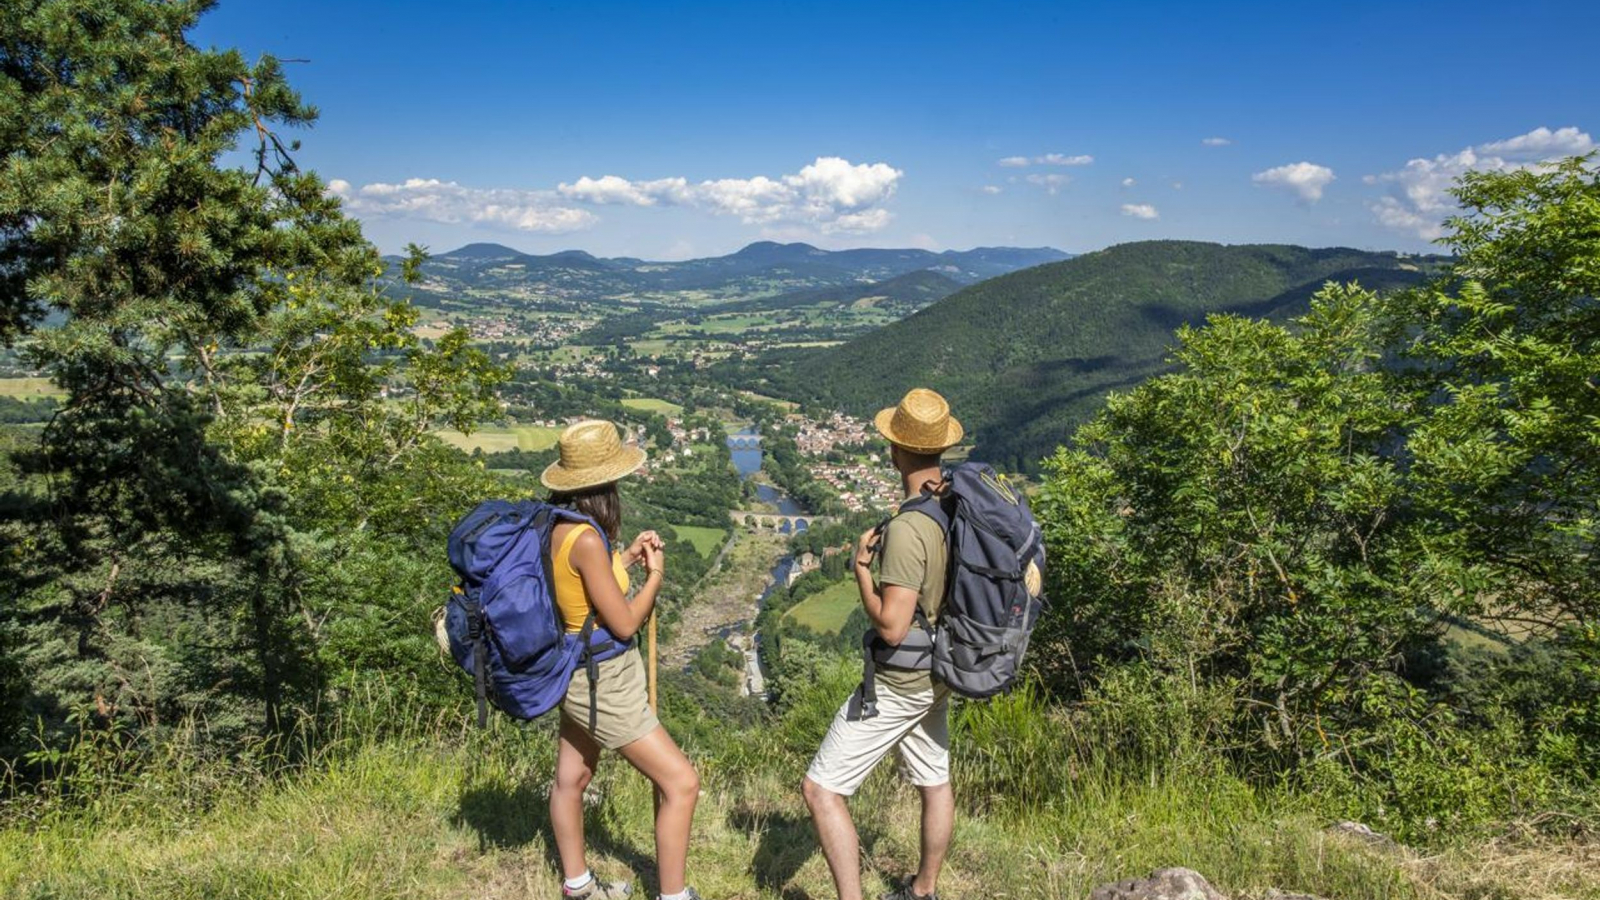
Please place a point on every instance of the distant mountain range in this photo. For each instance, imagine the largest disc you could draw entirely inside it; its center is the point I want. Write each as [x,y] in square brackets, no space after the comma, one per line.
[760,269]
[909,292]
[1026,357]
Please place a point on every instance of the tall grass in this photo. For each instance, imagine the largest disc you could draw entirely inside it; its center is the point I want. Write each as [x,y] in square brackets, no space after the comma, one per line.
[386,800]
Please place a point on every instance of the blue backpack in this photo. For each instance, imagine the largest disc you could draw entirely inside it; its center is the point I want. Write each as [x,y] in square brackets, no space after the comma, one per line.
[502,621]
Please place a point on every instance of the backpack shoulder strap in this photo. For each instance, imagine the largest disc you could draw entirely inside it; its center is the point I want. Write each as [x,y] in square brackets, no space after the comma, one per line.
[935,504]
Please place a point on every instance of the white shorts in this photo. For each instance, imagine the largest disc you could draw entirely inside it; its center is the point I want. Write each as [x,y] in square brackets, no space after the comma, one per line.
[918,724]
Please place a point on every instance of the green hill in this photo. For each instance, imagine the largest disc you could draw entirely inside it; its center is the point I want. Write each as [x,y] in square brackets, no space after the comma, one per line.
[1025,357]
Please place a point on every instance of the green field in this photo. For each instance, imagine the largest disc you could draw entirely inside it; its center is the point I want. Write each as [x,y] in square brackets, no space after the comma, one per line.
[826,612]
[654,404]
[494,440]
[566,353]
[787,405]
[29,388]
[728,324]
[652,347]
[705,540]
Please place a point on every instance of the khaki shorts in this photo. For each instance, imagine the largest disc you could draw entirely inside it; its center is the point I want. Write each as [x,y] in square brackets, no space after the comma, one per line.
[622,701]
[918,724]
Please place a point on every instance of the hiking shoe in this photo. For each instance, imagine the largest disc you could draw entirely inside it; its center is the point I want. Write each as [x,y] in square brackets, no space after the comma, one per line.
[689,893]
[599,890]
[904,892]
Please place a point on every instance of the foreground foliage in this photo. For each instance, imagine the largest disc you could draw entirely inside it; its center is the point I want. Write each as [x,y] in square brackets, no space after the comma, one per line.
[237,486]
[429,809]
[1328,522]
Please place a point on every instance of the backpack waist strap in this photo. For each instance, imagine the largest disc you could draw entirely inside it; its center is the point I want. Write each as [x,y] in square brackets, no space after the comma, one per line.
[914,652]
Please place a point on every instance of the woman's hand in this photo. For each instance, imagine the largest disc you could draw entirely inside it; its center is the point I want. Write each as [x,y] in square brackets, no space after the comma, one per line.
[636,550]
[655,558]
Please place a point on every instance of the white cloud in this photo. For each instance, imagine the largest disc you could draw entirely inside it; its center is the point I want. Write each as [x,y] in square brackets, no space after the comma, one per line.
[611,189]
[835,182]
[1048,159]
[831,194]
[1419,200]
[991,189]
[1128,182]
[1541,144]
[1216,142]
[1140,211]
[857,223]
[1303,178]
[432,200]
[1051,183]
[755,200]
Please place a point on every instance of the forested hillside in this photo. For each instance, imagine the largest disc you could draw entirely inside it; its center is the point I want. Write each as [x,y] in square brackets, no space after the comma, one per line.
[1025,357]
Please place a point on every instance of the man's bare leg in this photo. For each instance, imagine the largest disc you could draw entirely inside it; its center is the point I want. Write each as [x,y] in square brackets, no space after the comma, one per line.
[837,834]
[938,821]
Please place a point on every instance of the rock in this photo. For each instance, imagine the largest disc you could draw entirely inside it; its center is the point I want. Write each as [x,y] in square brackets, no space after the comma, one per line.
[1359,832]
[1162,884]
[1275,894]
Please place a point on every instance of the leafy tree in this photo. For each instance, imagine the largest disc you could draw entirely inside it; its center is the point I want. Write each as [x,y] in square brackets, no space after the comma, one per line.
[229,367]
[1507,462]
[1296,515]
[1507,459]
[1234,521]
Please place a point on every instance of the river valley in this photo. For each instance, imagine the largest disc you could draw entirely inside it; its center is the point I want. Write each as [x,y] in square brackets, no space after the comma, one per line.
[751,565]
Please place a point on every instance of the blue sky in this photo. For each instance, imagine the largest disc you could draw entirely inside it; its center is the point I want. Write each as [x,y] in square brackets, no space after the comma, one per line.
[928,124]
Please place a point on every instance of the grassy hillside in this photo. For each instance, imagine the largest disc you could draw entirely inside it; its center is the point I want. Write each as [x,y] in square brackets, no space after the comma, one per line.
[1026,356]
[827,611]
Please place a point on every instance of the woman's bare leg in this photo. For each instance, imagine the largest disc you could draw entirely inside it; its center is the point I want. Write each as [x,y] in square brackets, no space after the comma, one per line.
[660,760]
[576,756]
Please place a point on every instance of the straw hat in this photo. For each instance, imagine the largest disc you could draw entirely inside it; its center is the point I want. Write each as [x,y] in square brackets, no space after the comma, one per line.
[921,423]
[592,454]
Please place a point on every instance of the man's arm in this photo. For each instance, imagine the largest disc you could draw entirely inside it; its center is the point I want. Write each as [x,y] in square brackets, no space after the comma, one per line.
[891,611]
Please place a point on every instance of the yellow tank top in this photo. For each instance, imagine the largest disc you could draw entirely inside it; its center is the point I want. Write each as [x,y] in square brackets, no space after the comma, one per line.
[570,597]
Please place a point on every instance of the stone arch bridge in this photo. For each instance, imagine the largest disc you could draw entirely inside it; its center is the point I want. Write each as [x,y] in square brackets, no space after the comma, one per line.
[783,523]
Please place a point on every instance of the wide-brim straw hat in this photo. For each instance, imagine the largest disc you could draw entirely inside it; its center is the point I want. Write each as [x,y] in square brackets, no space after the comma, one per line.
[592,454]
[920,423]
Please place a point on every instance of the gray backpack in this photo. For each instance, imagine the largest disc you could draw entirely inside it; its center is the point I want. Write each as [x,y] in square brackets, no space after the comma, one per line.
[993,591]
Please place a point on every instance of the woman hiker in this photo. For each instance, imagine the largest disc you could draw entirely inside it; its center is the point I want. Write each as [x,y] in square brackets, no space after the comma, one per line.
[585,578]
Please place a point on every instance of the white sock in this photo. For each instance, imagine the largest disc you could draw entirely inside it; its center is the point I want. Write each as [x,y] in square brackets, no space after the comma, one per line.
[681,895]
[581,882]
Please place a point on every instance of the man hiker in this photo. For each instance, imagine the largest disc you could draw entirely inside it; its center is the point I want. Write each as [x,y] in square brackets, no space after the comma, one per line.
[907,710]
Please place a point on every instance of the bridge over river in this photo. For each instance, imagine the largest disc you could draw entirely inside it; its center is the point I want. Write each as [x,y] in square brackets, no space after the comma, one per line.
[784,523]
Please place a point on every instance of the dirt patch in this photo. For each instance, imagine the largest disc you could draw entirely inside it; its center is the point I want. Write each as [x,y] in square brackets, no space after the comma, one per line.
[726,597]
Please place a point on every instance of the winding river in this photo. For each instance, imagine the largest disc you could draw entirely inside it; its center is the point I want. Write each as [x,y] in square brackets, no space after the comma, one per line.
[747,460]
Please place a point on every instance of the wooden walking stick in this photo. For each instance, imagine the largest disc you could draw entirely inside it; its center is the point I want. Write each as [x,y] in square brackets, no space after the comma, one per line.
[651,672]
[650,682]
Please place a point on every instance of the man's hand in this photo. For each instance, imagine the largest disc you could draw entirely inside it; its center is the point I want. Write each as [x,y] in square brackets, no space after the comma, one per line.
[866,545]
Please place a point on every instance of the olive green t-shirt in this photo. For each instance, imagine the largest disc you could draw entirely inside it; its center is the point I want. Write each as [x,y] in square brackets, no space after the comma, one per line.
[914,556]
